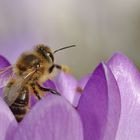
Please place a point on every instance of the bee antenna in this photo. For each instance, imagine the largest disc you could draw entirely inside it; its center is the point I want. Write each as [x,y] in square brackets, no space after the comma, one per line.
[64,48]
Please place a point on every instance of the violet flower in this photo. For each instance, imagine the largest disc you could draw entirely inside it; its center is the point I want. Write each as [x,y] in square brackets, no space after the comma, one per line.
[107,107]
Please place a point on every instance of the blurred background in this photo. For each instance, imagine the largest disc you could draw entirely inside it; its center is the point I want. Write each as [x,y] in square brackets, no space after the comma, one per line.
[98,28]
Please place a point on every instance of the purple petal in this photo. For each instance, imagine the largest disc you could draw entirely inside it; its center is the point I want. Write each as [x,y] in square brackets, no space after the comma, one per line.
[33,100]
[128,80]
[83,81]
[66,84]
[7,121]
[3,62]
[99,105]
[52,118]
[69,87]
[80,88]
[50,84]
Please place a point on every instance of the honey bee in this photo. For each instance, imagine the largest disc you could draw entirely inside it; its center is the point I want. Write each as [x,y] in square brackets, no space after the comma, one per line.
[27,76]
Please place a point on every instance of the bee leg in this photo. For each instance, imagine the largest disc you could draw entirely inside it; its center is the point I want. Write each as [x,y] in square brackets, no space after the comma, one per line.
[35,91]
[60,67]
[48,89]
[37,95]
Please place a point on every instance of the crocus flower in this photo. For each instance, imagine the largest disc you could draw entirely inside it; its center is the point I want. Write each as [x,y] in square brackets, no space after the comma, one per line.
[104,105]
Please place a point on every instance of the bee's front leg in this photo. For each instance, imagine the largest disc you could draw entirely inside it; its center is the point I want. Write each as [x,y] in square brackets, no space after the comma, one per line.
[33,85]
[47,89]
[64,68]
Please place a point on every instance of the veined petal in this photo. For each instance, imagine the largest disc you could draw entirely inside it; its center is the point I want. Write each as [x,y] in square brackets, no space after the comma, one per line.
[99,105]
[52,118]
[128,79]
[7,121]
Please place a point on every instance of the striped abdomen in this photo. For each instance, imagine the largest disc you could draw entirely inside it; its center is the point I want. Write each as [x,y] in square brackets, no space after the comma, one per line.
[20,106]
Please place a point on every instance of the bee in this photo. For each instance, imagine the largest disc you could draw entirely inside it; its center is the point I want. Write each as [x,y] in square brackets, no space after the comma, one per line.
[26,76]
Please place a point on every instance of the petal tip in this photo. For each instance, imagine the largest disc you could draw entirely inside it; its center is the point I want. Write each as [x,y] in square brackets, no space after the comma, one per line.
[118,56]
[3,61]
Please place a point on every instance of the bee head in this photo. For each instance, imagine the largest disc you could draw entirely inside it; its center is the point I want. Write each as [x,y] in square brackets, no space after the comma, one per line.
[45,52]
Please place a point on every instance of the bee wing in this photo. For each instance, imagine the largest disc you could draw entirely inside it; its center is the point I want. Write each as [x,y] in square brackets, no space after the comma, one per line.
[11,95]
[5,74]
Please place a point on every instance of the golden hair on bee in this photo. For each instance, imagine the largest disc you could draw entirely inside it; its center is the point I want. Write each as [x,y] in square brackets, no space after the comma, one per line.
[30,71]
